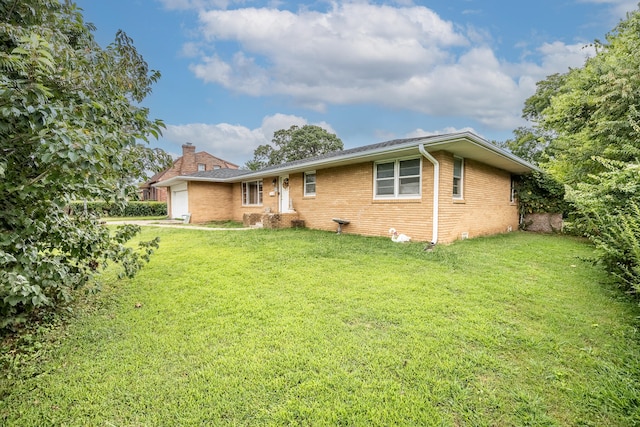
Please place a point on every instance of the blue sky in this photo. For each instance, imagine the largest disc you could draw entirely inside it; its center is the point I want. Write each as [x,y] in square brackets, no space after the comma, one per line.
[235,71]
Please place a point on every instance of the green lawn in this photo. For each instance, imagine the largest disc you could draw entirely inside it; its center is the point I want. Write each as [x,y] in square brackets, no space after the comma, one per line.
[300,327]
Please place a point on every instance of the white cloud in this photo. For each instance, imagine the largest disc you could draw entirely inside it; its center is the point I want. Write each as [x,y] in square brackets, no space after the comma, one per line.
[618,9]
[190,50]
[398,57]
[401,57]
[557,55]
[324,58]
[234,143]
[241,70]
[213,70]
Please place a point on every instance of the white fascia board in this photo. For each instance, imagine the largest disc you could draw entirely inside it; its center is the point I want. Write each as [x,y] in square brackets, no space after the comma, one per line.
[476,140]
[186,178]
[167,182]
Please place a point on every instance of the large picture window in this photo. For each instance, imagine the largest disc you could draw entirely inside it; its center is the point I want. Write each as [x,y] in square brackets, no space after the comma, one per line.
[252,193]
[398,179]
[458,174]
[310,183]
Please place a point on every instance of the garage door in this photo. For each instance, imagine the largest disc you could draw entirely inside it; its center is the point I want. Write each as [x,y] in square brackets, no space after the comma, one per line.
[179,203]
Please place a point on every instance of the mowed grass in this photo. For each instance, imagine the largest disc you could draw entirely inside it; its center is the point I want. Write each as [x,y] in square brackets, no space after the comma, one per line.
[300,327]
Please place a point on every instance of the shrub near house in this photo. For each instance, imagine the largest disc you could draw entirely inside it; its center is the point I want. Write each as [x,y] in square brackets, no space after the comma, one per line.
[132,208]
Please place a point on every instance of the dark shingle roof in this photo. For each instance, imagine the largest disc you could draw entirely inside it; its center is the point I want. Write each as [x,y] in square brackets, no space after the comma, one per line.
[477,148]
[222,173]
[363,149]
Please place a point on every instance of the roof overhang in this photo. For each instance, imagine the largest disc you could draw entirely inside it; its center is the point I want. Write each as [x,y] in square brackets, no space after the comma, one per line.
[471,146]
[465,144]
[180,179]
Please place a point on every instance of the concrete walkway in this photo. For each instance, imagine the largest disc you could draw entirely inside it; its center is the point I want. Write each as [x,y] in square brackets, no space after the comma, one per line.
[171,223]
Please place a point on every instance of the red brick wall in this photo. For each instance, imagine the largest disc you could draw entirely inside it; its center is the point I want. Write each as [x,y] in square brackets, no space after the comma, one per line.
[188,163]
[160,194]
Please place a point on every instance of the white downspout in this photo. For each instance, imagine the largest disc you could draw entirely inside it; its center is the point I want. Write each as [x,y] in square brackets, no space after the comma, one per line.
[436,191]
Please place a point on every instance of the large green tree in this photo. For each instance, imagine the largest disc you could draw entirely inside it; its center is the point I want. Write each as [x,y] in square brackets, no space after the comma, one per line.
[595,113]
[295,143]
[71,128]
[592,115]
[538,191]
[530,143]
[609,208]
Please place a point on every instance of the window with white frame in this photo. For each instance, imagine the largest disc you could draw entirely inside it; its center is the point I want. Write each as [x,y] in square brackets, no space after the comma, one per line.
[252,193]
[458,175]
[512,197]
[310,183]
[201,167]
[398,179]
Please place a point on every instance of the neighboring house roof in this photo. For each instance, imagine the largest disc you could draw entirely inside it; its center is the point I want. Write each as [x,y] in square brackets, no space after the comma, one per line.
[464,144]
[179,168]
[155,178]
[202,156]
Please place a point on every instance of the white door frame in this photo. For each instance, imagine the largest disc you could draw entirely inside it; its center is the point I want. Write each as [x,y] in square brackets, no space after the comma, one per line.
[179,200]
[284,203]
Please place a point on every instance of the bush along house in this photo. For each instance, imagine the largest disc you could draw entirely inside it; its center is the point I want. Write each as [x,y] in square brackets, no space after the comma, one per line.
[435,189]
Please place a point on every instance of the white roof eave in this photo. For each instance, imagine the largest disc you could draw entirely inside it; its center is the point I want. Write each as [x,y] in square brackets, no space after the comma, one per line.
[186,178]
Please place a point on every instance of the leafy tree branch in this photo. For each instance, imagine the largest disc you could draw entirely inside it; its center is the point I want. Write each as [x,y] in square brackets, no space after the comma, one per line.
[295,143]
[71,128]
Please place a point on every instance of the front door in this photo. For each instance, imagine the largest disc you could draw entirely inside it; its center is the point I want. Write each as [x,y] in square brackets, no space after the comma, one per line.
[285,204]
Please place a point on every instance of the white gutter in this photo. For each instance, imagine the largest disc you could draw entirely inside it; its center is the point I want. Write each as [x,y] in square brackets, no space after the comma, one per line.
[436,191]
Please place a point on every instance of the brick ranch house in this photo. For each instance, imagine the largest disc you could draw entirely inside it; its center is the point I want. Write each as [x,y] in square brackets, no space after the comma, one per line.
[436,189]
[189,162]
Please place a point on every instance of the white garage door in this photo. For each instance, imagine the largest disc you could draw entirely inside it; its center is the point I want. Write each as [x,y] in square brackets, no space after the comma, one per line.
[179,201]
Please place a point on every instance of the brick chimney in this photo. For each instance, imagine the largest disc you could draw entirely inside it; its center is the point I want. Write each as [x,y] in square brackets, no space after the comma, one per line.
[188,159]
